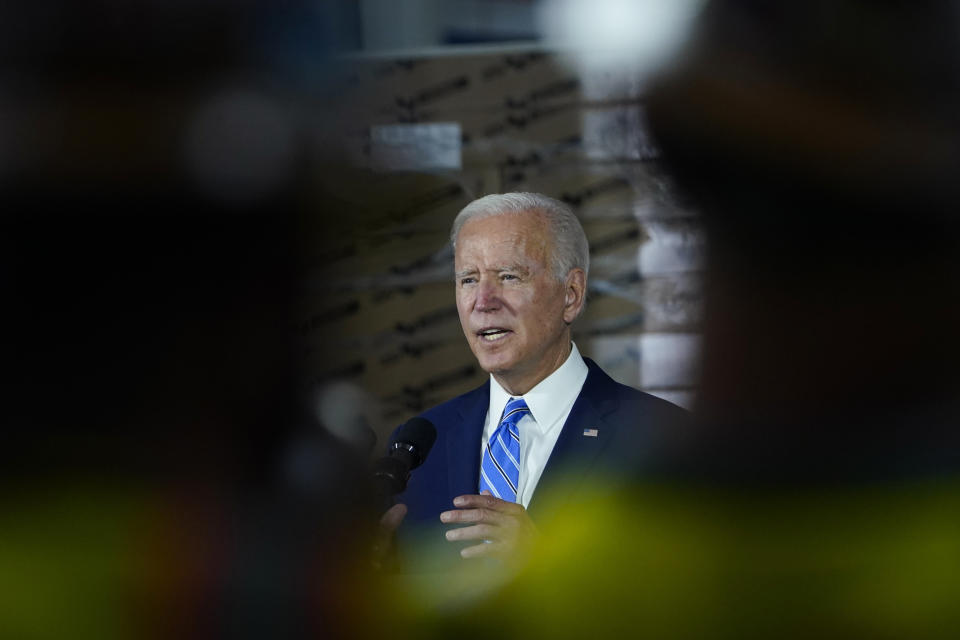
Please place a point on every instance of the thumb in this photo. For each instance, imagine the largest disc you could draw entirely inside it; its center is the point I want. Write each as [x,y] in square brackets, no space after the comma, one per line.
[393,516]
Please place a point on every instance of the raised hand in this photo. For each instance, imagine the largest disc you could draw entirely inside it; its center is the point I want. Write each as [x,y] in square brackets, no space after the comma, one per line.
[503,528]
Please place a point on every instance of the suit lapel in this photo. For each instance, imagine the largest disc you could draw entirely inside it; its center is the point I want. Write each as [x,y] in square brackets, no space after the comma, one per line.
[584,435]
[463,445]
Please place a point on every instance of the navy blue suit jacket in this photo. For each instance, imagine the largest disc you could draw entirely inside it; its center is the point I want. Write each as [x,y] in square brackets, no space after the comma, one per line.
[627,422]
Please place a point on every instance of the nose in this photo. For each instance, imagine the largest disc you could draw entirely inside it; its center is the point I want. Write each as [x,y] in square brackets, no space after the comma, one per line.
[488,295]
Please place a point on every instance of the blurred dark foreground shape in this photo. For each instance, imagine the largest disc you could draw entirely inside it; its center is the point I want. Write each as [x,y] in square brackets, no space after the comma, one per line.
[822,142]
[817,495]
[155,181]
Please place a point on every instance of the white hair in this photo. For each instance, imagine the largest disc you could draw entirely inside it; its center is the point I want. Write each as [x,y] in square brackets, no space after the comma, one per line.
[570,248]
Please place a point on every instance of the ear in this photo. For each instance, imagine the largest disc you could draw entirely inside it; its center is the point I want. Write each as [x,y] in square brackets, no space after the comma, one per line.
[575,292]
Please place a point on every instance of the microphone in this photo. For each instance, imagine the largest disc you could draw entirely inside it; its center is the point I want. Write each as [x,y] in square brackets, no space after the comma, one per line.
[406,452]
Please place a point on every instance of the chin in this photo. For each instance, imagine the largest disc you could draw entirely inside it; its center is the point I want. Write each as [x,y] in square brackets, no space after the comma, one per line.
[494,363]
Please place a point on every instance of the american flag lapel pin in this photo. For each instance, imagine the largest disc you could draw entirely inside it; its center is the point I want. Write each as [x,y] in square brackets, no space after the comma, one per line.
[590,433]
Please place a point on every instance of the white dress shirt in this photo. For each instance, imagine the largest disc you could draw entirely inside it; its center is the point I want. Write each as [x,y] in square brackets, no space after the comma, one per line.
[550,403]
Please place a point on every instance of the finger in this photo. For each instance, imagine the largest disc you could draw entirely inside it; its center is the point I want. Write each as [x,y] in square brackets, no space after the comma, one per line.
[472,516]
[475,532]
[383,540]
[487,501]
[483,550]
[393,516]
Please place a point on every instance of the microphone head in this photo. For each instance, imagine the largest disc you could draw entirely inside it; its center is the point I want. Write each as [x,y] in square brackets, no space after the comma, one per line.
[417,436]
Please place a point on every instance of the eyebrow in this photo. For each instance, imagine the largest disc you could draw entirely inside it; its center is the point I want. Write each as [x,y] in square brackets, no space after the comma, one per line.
[511,267]
[464,272]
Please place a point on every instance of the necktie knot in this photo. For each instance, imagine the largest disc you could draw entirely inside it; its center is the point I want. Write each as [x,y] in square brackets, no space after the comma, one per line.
[515,410]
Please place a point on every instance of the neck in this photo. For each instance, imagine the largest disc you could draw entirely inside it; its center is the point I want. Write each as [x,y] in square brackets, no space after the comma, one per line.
[519,383]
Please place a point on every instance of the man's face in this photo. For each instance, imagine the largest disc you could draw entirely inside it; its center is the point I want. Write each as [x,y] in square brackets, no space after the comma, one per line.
[514,312]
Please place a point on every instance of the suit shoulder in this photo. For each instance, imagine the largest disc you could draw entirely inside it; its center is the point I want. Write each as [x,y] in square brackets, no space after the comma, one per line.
[457,404]
[446,412]
[650,402]
[634,399]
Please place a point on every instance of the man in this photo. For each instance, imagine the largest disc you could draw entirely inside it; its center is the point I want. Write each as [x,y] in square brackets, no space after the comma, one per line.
[547,417]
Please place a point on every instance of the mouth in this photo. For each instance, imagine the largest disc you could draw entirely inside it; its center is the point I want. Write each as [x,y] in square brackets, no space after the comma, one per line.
[493,334]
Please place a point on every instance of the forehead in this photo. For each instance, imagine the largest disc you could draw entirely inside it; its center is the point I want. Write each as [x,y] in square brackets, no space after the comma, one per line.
[519,236]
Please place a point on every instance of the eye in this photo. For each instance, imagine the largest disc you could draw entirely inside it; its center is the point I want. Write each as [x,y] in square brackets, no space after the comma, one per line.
[467,280]
[508,276]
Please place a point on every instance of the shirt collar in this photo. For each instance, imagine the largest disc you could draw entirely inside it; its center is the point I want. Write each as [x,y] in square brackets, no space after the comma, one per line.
[544,400]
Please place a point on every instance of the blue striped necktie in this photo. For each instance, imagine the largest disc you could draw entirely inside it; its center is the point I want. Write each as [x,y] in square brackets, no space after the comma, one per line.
[500,466]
